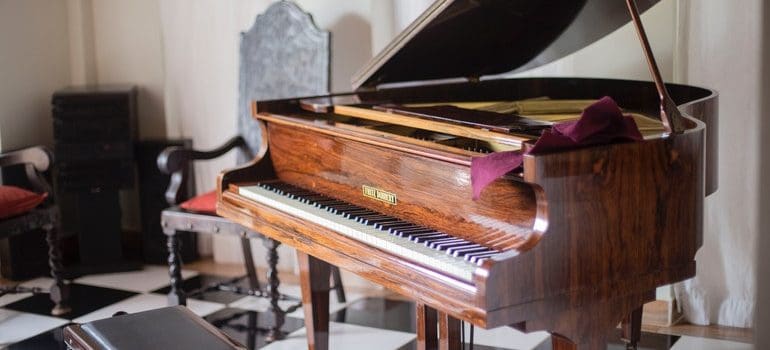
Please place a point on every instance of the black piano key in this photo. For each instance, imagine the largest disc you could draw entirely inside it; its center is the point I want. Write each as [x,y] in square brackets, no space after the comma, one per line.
[365,218]
[464,253]
[383,219]
[446,245]
[412,231]
[394,225]
[480,257]
[436,243]
[470,247]
[423,239]
[394,229]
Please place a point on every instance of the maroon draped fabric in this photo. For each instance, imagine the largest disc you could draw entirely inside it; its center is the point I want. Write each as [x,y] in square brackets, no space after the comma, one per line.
[601,123]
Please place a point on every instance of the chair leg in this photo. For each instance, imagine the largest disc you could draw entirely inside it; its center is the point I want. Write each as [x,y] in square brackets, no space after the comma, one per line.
[273,283]
[59,289]
[248,263]
[176,295]
[337,286]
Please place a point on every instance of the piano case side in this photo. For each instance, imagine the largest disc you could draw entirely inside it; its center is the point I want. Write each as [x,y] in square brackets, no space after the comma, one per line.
[621,220]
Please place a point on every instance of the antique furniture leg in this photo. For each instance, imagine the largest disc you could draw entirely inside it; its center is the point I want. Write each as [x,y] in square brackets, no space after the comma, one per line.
[448,332]
[275,294]
[248,262]
[337,286]
[632,328]
[59,290]
[176,295]
[427,337]
[314,279]
[559,342]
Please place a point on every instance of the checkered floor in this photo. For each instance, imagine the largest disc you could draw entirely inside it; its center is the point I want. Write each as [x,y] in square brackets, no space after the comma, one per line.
[379,323]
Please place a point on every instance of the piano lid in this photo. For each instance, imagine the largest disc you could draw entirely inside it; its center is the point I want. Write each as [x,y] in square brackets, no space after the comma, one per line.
[475,38]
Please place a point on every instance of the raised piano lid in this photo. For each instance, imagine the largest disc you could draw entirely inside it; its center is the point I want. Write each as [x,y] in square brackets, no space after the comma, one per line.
[469,39]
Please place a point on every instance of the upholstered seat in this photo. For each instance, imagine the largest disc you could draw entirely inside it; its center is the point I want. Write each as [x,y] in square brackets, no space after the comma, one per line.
[23,211]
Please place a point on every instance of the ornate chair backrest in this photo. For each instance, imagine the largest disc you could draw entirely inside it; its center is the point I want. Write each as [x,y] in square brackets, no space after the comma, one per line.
[283,55]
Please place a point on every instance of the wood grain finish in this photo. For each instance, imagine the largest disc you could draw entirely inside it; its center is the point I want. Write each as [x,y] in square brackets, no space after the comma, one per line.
[448,332]
[442,127]
[429,193]
[587,233]
[427,335]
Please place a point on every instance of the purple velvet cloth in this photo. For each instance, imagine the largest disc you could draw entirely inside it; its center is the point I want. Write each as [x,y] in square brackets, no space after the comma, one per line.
[602,122]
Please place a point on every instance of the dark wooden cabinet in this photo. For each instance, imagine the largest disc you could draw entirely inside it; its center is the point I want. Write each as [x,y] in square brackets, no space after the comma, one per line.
[95,128]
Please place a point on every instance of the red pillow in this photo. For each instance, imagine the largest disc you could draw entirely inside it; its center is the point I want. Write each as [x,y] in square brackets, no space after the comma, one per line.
[15,201]
[205,203]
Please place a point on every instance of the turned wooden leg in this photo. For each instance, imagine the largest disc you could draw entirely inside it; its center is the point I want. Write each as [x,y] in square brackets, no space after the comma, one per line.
[427,337]
[248,263]
[59,290]
[314,279]
[448,332]
[273,284]
[632,328]
[338,288]
[176,295]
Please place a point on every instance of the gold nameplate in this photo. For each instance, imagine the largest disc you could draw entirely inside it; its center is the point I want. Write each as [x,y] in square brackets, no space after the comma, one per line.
[378,194]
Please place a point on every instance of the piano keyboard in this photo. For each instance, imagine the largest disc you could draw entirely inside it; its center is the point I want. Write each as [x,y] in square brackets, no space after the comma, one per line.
[435,249]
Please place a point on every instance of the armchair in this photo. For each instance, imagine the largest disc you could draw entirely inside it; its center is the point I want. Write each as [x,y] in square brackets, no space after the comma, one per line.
[22,212]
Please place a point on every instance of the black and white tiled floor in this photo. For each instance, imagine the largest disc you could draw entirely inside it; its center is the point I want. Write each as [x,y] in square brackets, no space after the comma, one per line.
[376,323]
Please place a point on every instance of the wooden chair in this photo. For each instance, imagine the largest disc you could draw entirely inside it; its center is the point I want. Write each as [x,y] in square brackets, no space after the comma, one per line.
[45,216]
[283,55]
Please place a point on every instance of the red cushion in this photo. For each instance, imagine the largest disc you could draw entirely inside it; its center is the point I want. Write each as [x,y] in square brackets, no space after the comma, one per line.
[205,203]
[16,201]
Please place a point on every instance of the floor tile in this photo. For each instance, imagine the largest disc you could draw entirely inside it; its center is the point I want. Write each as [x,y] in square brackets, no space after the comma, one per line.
[40,282]
[16,326]
[150,278]
[199,281]
[647,341]
[413,346]
[688,343]
[144,302]
[250,327]
[295,293]
[50,340]
[509,338]
[83,300]
[395,315]
[344,336]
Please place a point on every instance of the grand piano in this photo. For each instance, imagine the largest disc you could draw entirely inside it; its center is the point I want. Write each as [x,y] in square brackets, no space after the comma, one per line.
[378,181]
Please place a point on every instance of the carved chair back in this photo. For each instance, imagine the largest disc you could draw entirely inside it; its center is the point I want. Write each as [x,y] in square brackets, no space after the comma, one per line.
[282,55]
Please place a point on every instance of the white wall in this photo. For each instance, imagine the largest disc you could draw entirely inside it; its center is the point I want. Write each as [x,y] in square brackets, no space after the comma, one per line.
[34,62]
[128,49]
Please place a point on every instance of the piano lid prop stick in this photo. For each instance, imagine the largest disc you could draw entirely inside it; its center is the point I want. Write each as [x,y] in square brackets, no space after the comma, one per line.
[669,113]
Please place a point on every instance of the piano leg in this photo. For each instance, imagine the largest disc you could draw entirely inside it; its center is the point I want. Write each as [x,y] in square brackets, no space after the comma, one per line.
[632,328]
[427,337]
[559,342]
[448,332]
[314,279]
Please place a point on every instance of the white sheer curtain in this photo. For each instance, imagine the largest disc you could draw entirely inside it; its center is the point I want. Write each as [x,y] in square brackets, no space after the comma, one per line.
[719,48]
